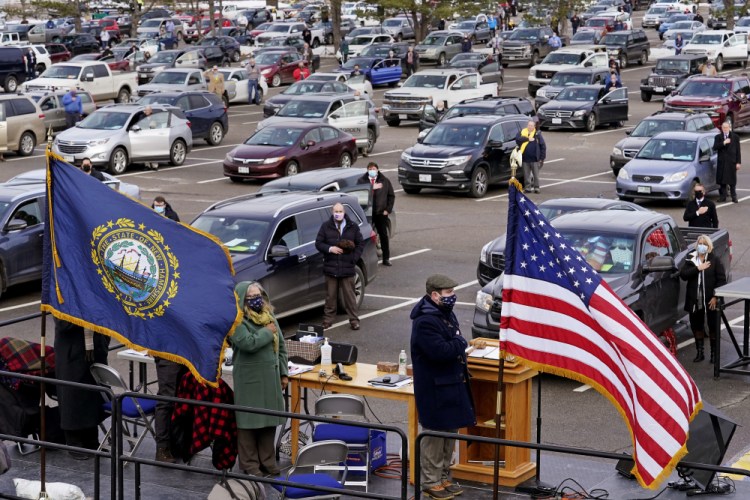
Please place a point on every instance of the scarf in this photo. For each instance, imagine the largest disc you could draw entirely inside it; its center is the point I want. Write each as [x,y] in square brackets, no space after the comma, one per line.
[525,133]
[701,300]
[262,319]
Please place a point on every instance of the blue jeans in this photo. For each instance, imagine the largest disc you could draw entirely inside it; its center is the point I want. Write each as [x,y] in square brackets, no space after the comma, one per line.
[253,91]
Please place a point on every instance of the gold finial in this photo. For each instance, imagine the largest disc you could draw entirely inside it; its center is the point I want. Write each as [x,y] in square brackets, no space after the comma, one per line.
[49,139]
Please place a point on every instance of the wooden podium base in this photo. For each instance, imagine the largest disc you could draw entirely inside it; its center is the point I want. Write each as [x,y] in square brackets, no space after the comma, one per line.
[483,474]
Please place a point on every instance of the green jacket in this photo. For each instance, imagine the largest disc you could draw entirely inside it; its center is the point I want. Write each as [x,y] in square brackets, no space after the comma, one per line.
[257,370]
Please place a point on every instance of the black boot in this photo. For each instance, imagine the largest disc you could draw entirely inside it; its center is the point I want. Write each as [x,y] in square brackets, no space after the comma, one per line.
[711,359]
[699,356]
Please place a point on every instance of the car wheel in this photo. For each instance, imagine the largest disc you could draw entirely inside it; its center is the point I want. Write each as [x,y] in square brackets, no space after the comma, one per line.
[118,162]
[479,183]
[623,61]
[40,68]
[315,43]
[412,190]
[259,95]
[359,289]
[11,84]
[644,58]
[645,97]
[532,90]
[534,59]
[276,80]
[123,96]
[719,63]
[345,161]
[236,179]
[292,168]
[225,63]
[393,122]
[370,141]
[177,153]
[215,134]
[591,122]
[236,56]
[442,59]
[26,144]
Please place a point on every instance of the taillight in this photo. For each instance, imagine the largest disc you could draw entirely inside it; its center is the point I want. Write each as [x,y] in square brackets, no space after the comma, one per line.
[731,253]
[373,236]
[189,124]
[41,115]
[226,108]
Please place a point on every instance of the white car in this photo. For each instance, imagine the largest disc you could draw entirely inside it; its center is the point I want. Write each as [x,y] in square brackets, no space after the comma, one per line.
[39,176]
[624,17]
[686,28]
[357,82]
[720,46]
[358,43]
[236,85]
[565,58]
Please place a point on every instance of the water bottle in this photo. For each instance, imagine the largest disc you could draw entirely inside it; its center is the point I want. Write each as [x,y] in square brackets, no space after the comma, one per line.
[402,362]
[325,353]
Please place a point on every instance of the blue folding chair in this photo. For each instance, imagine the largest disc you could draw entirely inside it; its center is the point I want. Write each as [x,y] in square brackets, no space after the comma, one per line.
[315,455]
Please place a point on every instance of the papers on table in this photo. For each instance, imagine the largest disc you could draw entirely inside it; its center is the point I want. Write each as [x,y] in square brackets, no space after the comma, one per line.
[398,381]
[488,352]
[295,369]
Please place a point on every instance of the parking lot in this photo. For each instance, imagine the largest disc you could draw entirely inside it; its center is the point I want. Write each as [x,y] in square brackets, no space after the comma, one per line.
[444,232]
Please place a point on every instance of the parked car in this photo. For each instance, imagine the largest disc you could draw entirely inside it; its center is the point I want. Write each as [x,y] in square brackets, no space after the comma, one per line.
[39,177]
[484,64]
[278,66]
[40,34]
[476,31]
[657,15]
[628,46]
[279,29]
[153,27]
[365,30]
[493,106]
[686,29]
[564,58]
[378,70]
[24,123]
[586,38]
[81,43]
[58,52]
[93,76]
[585,106]
[568,78]
[360,82]
[720,46]
[158,62]
[50,103]
[669,73]
[174,79]
[529,45]
[358,43]
[271,239]
[235,83]
[724,98]
[12,68]
[400,28]
[284,149]
[205,111]
[228,45]
[116,136]
[670,22]
[304,88]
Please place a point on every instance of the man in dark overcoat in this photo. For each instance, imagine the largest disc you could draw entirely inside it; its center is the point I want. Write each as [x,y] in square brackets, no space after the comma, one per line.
[727,145]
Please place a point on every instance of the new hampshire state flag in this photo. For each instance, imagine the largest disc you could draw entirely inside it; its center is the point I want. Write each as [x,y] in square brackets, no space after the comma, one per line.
[117,267]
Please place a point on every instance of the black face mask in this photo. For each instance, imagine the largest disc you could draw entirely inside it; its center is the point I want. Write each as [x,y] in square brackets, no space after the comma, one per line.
[86,168]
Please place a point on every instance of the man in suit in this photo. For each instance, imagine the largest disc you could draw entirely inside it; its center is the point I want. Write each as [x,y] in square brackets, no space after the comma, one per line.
[727,145]
[700,211]
[215,81]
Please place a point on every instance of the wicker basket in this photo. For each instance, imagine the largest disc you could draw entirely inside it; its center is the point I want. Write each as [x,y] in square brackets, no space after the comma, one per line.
[302,352]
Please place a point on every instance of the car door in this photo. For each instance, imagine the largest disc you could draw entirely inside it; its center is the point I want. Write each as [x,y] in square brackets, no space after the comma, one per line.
[195,81]
[386,71]
[289,63]
[54,114]
[23,246]
[658,288]
[491,72]
[737,49]
[351,118]
[463,88]
[4,127]
[741,88]
[149,135]
[598,60]
[196,112]
[483,31]
[310,222]
[501,142]
[706,164]
[286,279]
[613,107]
[314,156]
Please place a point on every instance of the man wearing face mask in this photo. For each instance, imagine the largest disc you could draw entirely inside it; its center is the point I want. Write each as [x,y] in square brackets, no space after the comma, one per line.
[88,168]
[340,241]
[441,382]
[383,199]
[700,211]
[161,206]
[253,77]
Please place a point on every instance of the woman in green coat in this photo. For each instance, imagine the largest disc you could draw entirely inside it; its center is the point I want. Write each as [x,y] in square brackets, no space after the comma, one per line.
[260,377]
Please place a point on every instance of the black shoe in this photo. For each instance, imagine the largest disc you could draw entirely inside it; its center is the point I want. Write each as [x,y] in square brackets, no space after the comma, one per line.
[722,199]
[735,200]
[164,455]
[387,263]
[354,325]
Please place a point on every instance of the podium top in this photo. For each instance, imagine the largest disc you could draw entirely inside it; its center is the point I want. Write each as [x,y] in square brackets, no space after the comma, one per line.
[738,289]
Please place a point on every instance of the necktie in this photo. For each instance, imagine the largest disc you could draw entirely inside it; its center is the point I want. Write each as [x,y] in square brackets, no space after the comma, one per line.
[338,228]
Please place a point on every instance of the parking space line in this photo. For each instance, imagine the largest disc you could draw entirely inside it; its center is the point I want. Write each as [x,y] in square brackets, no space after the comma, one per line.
[212,180]
[26,157]
[394,297]
[250,123]
[20,306]
[169,169]
[386,152]
[245,114]
[415,252]
[512,81]
[577,179]
[729,204]
[546,162]
[513,90]
[608,131]
[587,181]
[202,159]
[217,147]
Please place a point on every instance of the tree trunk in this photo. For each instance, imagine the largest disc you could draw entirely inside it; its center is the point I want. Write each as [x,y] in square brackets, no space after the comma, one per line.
[335,12]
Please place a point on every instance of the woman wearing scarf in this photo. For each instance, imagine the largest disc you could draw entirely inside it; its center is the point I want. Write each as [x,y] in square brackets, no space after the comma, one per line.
[260,377]
[704,273]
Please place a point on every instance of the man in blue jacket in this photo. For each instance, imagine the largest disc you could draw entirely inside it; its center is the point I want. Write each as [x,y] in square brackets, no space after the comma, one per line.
[73,108]
[441,382]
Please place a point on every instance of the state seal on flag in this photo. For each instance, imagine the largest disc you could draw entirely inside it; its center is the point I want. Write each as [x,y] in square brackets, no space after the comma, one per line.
[136,266]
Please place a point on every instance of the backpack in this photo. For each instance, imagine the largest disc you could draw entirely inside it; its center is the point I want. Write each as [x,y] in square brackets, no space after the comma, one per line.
[237,489]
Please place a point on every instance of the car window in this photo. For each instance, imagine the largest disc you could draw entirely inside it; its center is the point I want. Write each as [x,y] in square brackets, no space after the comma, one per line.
[48,104]
[30,212]
[313,135]
[336,105]
[194,79]
[496,133]
[157,120]
[85,97]
[705,147]
[183,103]
[654,245]
[692,126]
[339,87]
[508,109]
[100,71]
[353,215]
[510,130]
[286,234]
[354,108]
[308,224]
[328,133]
[618,94]
[21,107]
[198,101]
[707,124]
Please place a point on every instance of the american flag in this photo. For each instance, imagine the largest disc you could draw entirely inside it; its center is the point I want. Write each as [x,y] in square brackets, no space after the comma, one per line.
[560,316]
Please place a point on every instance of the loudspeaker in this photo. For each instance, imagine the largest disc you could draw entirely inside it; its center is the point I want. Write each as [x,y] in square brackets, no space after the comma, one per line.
[625,468]
[346,354]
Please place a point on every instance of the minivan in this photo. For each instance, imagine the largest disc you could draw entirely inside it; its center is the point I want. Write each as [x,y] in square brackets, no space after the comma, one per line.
[21,124]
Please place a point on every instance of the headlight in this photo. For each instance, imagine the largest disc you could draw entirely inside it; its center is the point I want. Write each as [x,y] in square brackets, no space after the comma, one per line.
[484,301]
[541,93]
[272,160]
[266,71]
[580,112]
[98,142]
[229,158]
[623,174]
[484,255]
[457,160]
[616,152]
[678,176]
[406,157]
[532,72]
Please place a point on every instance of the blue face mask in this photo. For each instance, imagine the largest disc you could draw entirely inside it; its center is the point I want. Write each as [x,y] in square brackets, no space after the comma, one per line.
[255,303]
[372,173]
[449,301]
[159,209]
[702,249]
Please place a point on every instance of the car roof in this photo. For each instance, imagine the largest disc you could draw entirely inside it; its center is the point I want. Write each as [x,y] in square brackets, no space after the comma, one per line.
[684,136]
[133,108]
[320,97]
[180,70]
[674,115]
[607,221]
[484,119]
[271,204]
[587,69]
[682,57]
[589,203]
[178,93]
[315,180]
[12,192]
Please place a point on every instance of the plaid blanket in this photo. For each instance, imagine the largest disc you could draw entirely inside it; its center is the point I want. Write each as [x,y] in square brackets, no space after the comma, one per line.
[20,356]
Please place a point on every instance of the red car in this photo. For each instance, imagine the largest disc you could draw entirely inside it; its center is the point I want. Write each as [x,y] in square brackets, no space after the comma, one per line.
[278,66]
[58,52]
[112,62]
[601,24]
[288,148]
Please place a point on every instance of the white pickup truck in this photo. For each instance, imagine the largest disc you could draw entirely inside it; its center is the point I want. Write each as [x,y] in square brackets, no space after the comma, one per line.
[565,58]
[92,76]
[430,87]
[720,46]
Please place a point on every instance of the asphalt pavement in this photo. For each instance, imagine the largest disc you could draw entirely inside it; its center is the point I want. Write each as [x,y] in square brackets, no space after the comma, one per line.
[444,232]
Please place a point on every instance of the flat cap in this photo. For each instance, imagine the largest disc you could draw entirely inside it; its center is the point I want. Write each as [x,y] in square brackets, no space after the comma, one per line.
[438,282]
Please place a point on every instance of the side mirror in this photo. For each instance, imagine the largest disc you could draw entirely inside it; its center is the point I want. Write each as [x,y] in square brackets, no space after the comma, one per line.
[705,157]
[335,116]
[494,144]
[588,64]
[660,264]
[310,144]
[88,77]
[278,252]
[605,100]
[135,128]
[400,84]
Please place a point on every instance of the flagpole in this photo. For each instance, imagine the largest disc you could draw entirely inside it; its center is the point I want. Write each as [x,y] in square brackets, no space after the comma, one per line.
[498,420]
[42,410]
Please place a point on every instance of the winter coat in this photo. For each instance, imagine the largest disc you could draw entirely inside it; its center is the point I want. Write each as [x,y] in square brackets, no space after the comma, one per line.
[169,212]
[257,370]
[728,157]
[339,265]
[441,376]
[383,198]
[709,219]
[535,150]
[215,82]
[713,278]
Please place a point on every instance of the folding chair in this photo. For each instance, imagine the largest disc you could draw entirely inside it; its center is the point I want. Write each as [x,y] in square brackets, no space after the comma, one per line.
[315,455]
[135,411]
[357,439]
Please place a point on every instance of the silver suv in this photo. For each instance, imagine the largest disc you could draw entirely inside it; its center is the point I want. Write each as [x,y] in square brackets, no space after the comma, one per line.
[118,135]
[439,47]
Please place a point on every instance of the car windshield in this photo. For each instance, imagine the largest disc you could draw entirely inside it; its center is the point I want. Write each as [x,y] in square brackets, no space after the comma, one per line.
[565,79]
[447,134]
[209,41]
[706,39]
[578,94]
[362,62]
[615,39]
[361,40]
[656,10]
[524,34]
[596,22]
[237,234]
[279,28]
[606,253]
[158,98]
[275,136]
[105,120]
[682,25]
[268,58]
[363,31]
[704,89]
[468,56]
[434,40]
[466,25]
[583,36]
[151,23]
[304,109]
[672,65]
[263,27]
[425,81]
[163,57]
[170,77]
[392,23]
[668,149]
[745,21]
[562,58]
[465,110]
[649,128]
[304,87]
[62,71]
[376,51]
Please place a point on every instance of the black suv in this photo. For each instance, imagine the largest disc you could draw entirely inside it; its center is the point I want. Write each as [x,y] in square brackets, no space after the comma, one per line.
[628,46]
[82,43]
[669,74]
[465,154]
[496,106]
[228,45]
[271,238]
[661,121]
[567,77]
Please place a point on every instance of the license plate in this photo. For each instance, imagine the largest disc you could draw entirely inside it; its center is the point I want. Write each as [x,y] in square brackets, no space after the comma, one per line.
[658,89]
[556,121]
[243,170]
[644,189]
[425,178]
[514,57]
[143,75]
[69,158]
[403,117]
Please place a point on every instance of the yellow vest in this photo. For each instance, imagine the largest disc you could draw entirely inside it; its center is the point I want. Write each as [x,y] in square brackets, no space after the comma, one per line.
[525,133]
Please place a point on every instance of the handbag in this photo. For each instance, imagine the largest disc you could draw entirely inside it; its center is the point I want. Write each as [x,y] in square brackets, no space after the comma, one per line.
[237,489]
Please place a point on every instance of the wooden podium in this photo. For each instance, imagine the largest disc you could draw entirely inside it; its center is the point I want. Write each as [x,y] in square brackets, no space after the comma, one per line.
[475,460]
